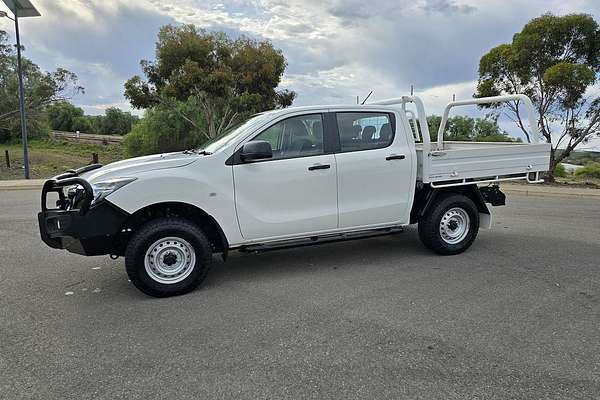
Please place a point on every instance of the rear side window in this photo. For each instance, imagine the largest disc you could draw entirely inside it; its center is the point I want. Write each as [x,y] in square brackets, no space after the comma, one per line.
[364,130]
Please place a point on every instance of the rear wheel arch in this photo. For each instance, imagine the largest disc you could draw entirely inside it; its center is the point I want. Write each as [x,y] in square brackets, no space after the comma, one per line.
[206,222]
[451,225]
[425,199]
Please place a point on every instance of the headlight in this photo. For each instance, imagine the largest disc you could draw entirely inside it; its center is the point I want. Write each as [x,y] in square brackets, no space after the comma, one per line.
[104,188]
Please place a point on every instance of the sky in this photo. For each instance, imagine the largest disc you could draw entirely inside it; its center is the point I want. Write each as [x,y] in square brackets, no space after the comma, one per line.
[336,50]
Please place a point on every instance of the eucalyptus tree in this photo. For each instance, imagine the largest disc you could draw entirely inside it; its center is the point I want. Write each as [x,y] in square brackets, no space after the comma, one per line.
[555,60]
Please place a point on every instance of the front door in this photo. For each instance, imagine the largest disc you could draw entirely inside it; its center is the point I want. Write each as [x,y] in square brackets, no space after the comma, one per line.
[293,193]
[375,170]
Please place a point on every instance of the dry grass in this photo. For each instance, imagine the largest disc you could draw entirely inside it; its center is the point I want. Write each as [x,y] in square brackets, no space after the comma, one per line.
[577,181]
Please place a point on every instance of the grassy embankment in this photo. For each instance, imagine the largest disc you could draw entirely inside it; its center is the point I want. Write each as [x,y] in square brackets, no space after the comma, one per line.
[588,175]
[51,157]
[579,181]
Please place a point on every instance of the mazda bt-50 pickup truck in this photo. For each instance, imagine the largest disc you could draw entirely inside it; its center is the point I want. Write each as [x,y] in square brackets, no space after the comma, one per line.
[287,177]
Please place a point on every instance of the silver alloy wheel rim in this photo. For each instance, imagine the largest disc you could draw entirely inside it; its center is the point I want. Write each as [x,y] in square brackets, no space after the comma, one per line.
[454,226]
[170,260]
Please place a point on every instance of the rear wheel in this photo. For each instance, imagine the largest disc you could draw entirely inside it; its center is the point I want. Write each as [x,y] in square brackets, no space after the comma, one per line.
[168,257]
[451,226]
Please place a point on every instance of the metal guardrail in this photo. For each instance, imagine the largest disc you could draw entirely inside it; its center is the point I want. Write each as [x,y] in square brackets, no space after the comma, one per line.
[86,137]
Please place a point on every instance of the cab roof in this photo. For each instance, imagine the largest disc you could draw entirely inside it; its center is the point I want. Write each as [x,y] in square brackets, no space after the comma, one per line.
[334,107]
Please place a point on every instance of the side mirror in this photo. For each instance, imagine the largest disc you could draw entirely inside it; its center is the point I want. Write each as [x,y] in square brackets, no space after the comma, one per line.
[256,150]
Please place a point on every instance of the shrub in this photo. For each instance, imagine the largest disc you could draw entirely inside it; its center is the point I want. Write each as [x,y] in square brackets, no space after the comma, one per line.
[560,171]
[590,170]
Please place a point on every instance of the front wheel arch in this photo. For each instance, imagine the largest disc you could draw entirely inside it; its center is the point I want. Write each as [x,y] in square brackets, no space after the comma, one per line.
[168,256]
[206,222]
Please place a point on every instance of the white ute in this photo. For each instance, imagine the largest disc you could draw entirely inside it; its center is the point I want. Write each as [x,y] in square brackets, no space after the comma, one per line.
[288,177]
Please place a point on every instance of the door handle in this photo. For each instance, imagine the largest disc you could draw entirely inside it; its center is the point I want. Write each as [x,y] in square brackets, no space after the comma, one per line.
[396,157]
[319,166]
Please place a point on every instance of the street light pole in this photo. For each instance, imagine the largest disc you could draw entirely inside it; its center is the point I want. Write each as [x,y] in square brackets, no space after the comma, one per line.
[22,99]
[22,9]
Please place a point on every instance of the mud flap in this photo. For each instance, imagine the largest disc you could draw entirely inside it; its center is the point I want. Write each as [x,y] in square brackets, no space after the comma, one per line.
[485,221]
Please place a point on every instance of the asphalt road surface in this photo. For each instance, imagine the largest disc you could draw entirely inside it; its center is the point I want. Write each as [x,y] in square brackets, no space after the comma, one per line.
[517,316]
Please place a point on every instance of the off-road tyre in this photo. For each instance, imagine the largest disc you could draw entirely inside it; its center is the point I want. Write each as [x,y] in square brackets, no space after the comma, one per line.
[185,240]
[449,207]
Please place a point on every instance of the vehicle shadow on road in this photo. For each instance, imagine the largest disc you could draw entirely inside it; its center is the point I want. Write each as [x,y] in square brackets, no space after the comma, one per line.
[491,250]
[394,249]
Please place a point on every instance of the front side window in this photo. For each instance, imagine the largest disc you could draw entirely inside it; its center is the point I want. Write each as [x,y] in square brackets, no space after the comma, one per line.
[364,130]
[295,137]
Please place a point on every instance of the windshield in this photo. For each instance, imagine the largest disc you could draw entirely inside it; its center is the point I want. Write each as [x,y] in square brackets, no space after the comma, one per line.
[216,143]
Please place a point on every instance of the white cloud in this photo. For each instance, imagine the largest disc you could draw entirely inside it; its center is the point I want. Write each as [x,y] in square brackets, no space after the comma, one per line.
[381,45]
[336,50]
[436,98]
[101,41]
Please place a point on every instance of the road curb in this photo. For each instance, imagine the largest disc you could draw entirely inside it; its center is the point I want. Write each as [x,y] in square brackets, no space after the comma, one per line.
[550,192]
[23,184]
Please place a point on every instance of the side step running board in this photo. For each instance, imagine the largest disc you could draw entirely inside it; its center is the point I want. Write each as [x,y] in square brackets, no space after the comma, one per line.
[313,240]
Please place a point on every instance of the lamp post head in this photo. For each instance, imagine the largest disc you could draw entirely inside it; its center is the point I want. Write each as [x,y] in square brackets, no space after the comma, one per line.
[21,8]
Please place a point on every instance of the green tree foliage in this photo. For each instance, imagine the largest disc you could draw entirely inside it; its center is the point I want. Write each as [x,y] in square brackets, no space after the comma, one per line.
[463,128]
[554,60]
[95,123]
[163,130]
[41,89]
[62,114]
[223,79]
[82,124]
[115,122]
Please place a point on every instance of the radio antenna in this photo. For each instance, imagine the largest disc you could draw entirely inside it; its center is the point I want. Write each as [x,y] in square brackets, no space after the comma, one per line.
[366,98]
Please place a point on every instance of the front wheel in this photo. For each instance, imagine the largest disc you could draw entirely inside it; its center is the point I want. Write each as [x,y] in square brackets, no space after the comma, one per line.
[451,226]
[168,257]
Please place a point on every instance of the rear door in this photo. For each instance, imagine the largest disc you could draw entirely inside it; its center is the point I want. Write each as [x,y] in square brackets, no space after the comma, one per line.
[375,170]
[294,193]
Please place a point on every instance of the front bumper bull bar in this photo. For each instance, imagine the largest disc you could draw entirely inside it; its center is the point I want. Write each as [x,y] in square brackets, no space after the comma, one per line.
[87,229]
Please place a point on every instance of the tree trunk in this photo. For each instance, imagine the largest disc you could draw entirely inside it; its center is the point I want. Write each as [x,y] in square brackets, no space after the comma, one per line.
[552,166]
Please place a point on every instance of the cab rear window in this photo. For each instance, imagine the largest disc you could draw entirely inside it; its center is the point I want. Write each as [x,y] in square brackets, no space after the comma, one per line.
[364,130]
